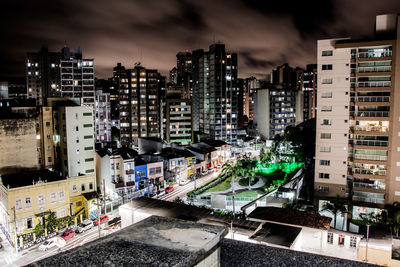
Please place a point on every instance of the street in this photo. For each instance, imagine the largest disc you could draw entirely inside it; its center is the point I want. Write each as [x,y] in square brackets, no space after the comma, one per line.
[34,254]
[181,190]
[8,256]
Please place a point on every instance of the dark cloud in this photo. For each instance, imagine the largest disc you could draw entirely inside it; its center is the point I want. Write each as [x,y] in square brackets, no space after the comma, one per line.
[264,33]
[307,15]
[251,61]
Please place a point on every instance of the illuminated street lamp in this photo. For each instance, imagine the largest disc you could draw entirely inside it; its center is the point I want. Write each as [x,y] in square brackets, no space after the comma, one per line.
[258,137]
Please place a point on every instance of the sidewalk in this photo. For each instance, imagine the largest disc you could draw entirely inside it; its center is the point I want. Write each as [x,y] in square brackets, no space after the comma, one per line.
[7,253]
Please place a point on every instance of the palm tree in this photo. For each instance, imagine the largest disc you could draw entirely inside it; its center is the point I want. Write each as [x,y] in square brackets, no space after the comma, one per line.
[250,166]
[336,206]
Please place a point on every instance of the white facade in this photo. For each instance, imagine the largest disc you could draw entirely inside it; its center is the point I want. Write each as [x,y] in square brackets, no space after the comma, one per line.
[332,120]
[76,140]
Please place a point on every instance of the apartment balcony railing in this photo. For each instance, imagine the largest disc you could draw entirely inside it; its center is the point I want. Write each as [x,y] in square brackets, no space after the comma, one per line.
[118,185]
[372,99]
[374,84]
[368,142]
[368,171]
[368,186]
[372,114]
[130,172]
[369,200]
[372,129]
[131,183]
[374,54]
[375,69]
[370,157]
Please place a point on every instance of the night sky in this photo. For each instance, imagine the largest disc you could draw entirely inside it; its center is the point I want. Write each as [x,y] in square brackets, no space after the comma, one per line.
[263,33]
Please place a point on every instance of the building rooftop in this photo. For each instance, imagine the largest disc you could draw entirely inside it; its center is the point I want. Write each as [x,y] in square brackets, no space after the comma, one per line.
[244,254]
[155,241]
[103,152]
[158,241]
[290,216]
[26,178]
[214,143]
[125,153]
[171,153]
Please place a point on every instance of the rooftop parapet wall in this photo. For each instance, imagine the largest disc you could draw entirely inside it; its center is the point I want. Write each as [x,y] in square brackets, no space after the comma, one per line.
[155,241]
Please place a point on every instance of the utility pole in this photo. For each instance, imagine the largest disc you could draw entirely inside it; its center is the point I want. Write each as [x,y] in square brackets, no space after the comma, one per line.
[98,215]
[15,231]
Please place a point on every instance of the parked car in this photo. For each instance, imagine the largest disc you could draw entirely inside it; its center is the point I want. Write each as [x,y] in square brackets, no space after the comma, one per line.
[49,243]
[169,189]
[204,172]
[183,182]
[86,225]
[68,234]
[103,219]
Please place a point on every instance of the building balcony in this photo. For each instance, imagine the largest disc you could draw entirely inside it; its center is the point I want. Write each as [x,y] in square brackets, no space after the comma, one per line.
[369,99]
[368,142]
[374,84]
[368,186]
[368,171]
[130,171]
[369,200]
[118,185]
[372,113]
[378,54]
[372,129]
[131,183]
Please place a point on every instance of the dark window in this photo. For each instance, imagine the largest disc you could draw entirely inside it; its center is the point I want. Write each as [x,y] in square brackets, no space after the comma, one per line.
[327,67]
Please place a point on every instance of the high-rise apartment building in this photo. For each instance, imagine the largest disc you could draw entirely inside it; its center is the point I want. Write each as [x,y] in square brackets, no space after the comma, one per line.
[179,121]
[279,108]
[184,72]
[358,128]
[138,101]
[307,82]
[102,117]
[215,89]
[251,86]
[77,76]
[64,73]
[43,74]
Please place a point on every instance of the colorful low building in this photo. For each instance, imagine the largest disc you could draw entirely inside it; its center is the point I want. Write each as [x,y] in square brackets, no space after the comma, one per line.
[77,187]
[28,198]
[141,179]
[155,173]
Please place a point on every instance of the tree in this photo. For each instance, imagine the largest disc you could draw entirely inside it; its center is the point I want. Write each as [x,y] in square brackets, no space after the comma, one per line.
[51,221]
[249,167]
[336,206]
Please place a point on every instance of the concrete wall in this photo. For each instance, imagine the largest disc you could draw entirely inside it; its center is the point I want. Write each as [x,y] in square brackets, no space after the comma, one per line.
[18,144]
[339,118]
[263,115]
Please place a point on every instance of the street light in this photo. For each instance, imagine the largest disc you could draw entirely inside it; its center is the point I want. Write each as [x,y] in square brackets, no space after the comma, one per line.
[366,246]
[258,137]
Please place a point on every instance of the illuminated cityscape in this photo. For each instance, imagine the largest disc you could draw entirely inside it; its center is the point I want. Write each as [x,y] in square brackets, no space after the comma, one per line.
[186,133]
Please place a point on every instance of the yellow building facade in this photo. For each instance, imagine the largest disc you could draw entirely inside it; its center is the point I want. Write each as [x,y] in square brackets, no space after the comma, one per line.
[191,165]
[22,206]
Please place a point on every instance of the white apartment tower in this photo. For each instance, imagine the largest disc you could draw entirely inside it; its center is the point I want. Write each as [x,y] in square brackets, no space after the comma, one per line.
[76,140]
[358,119]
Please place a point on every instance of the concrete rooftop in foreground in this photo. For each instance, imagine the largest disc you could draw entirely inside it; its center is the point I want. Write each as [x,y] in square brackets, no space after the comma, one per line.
[160,241]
